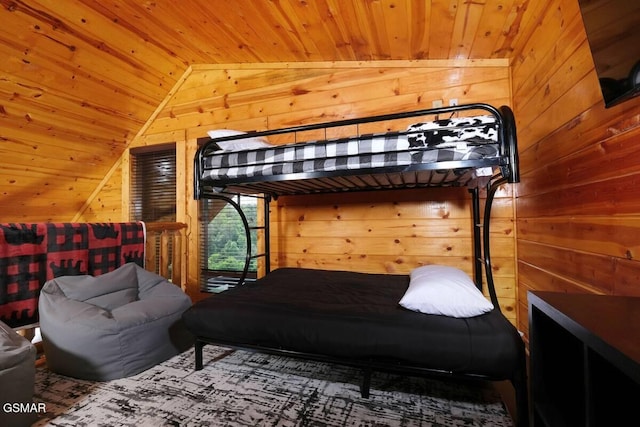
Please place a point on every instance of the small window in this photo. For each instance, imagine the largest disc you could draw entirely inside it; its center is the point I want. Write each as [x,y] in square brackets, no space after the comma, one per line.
[153,185]
[224,246]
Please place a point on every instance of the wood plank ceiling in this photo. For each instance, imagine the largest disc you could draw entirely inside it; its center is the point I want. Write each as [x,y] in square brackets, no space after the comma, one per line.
[79,78]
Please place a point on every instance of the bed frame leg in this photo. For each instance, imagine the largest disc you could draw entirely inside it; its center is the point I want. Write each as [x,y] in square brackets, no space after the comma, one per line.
[366,383]
[199,345]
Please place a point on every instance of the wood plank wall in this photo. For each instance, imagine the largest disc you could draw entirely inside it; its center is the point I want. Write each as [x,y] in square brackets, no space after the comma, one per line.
[392,232]
[578,205]
[426,227]
[105,205]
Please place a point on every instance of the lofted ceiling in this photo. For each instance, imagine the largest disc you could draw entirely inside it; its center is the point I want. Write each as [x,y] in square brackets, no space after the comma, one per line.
[80,78]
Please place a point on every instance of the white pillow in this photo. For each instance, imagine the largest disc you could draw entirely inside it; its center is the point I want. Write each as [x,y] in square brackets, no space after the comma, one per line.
[448,291]
[249,143]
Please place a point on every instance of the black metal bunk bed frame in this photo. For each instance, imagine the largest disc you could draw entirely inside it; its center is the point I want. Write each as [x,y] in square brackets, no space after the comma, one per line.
[307,183]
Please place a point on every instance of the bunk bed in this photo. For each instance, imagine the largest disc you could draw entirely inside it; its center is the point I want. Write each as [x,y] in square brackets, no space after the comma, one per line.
[356,318]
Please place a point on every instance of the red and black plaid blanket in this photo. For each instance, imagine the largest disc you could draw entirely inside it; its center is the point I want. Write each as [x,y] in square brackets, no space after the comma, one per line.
[31,254]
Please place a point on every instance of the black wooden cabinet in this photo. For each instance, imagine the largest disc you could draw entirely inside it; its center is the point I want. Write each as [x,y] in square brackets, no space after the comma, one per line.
[585,359]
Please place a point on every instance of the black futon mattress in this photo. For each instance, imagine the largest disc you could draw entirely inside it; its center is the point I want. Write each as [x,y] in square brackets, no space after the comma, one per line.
[354,316]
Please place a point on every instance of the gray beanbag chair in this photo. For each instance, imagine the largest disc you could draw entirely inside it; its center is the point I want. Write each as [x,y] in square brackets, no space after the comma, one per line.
[17,377]
[111,326]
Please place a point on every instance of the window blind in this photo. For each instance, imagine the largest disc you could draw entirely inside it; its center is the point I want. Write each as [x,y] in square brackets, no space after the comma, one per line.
[153,185]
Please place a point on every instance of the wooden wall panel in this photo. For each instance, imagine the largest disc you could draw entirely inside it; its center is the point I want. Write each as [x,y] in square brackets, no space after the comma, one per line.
[577,207]
[269,98]
[106,206]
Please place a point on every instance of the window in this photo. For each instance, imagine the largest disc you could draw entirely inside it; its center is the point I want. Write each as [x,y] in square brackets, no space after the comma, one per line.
[224,246]
[153,195]
[153,185]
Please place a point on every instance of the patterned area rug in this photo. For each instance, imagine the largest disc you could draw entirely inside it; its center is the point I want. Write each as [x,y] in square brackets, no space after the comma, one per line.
[239,388]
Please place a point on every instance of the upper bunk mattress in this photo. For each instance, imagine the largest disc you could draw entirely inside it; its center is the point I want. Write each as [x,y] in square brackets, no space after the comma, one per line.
[428,143]
[353,316]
